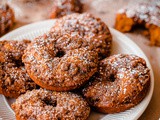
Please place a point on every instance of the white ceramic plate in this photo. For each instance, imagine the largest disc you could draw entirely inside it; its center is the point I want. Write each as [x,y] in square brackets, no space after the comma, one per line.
[121,44]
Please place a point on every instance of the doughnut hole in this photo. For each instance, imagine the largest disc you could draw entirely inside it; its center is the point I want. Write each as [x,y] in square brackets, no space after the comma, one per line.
[48,105]
[60,53]
[122,81]
[74,66]
[49,101]
[54,67]
[112,78]
[14,79]
[93,32]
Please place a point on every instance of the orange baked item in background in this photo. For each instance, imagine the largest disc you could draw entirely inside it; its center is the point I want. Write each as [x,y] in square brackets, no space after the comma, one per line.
[143,14]
[6,18]
[65,7]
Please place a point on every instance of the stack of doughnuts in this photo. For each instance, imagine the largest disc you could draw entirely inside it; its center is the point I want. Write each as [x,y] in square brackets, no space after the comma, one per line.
[75,56]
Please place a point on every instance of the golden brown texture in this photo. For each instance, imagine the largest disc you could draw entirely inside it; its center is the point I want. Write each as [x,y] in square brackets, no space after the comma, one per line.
[91,29]
[121,82]
[59,63]
[14,79]
[65,7]
[143,14]
[49,105]
[6,18]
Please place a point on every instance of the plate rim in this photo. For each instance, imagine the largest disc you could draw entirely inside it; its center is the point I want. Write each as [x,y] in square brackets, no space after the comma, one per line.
[151,89]
[134,45]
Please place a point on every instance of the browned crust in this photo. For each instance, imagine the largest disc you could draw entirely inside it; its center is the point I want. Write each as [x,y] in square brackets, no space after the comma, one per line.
[49,105]
[121,108]
[91,29]
[122,81]
[60,73]
[14,79]
[127,18]
[65,7]
[60,88]
[6,18]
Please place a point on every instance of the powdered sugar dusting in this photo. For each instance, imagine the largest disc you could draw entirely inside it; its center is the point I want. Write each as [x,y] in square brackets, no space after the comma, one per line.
[90,29]
[65,7]
[13,75]
[43,104]
[60,61]
[120,78]
[148,12]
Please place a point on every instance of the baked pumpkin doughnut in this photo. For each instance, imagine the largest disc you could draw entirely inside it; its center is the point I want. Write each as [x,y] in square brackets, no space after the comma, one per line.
[48,105]
[12,51]
[121,82]
[6,18]
[65,7]
[142,14]
[91,29]
[57,67]
[14,79]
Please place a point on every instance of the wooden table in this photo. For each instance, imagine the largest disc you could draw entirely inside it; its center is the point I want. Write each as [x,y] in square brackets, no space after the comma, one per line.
[106,10]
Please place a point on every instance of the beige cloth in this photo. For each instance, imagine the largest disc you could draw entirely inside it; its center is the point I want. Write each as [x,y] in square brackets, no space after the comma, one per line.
[106,9]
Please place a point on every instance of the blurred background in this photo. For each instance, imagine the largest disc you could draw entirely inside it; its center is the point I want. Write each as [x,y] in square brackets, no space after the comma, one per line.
[28,11]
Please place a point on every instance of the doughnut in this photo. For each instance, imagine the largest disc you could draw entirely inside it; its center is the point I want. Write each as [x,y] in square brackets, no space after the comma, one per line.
[14,79]
[142,14]
[91,29]
[122,81]
[6,18]
[58,67]
[64,7]
[50,105]
[12,51]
